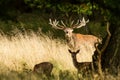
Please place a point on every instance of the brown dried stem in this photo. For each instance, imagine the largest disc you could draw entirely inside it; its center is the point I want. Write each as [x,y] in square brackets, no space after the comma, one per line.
[100,52]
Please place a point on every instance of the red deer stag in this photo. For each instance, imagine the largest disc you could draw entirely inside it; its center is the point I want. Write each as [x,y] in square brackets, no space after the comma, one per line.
[78,41]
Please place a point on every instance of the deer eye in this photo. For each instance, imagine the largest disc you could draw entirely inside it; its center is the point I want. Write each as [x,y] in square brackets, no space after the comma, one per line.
[66,32]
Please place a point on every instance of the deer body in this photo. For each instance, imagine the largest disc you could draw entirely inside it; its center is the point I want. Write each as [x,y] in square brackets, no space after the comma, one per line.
[76,40]
[82,67]
[43,68]
[79,65]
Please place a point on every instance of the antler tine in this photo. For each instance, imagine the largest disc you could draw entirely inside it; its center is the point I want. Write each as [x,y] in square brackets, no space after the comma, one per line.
[74,26]
[77,22]
[72,23]
[87,21]
[50,22]
[81,23]
[63,23]
[55,24]
[83,20]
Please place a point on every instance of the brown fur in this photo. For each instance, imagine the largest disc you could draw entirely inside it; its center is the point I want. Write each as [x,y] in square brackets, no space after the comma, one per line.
[43,68]
[81,67]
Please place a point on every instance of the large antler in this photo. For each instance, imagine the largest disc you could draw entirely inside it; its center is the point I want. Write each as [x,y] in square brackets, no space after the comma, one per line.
[55,24]
[80,23]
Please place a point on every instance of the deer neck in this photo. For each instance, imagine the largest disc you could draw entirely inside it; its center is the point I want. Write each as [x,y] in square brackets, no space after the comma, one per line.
[71,41]
[76,64]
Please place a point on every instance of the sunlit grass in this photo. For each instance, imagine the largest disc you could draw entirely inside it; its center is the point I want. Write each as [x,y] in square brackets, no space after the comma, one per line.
[26,50]
[19,54]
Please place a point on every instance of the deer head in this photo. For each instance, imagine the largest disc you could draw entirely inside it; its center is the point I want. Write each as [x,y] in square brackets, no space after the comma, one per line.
[68,31]
[73,55]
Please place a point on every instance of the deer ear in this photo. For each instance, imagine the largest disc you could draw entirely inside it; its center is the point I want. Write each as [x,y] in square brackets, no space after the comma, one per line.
[78,51]
[69,51]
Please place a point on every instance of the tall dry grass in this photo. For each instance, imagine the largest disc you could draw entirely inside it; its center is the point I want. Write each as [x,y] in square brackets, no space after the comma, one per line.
[24,51]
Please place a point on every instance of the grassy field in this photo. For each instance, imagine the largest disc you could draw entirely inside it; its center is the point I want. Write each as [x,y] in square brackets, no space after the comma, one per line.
[19,54]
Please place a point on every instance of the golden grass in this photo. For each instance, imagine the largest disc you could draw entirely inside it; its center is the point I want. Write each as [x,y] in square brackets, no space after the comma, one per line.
[24,51]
